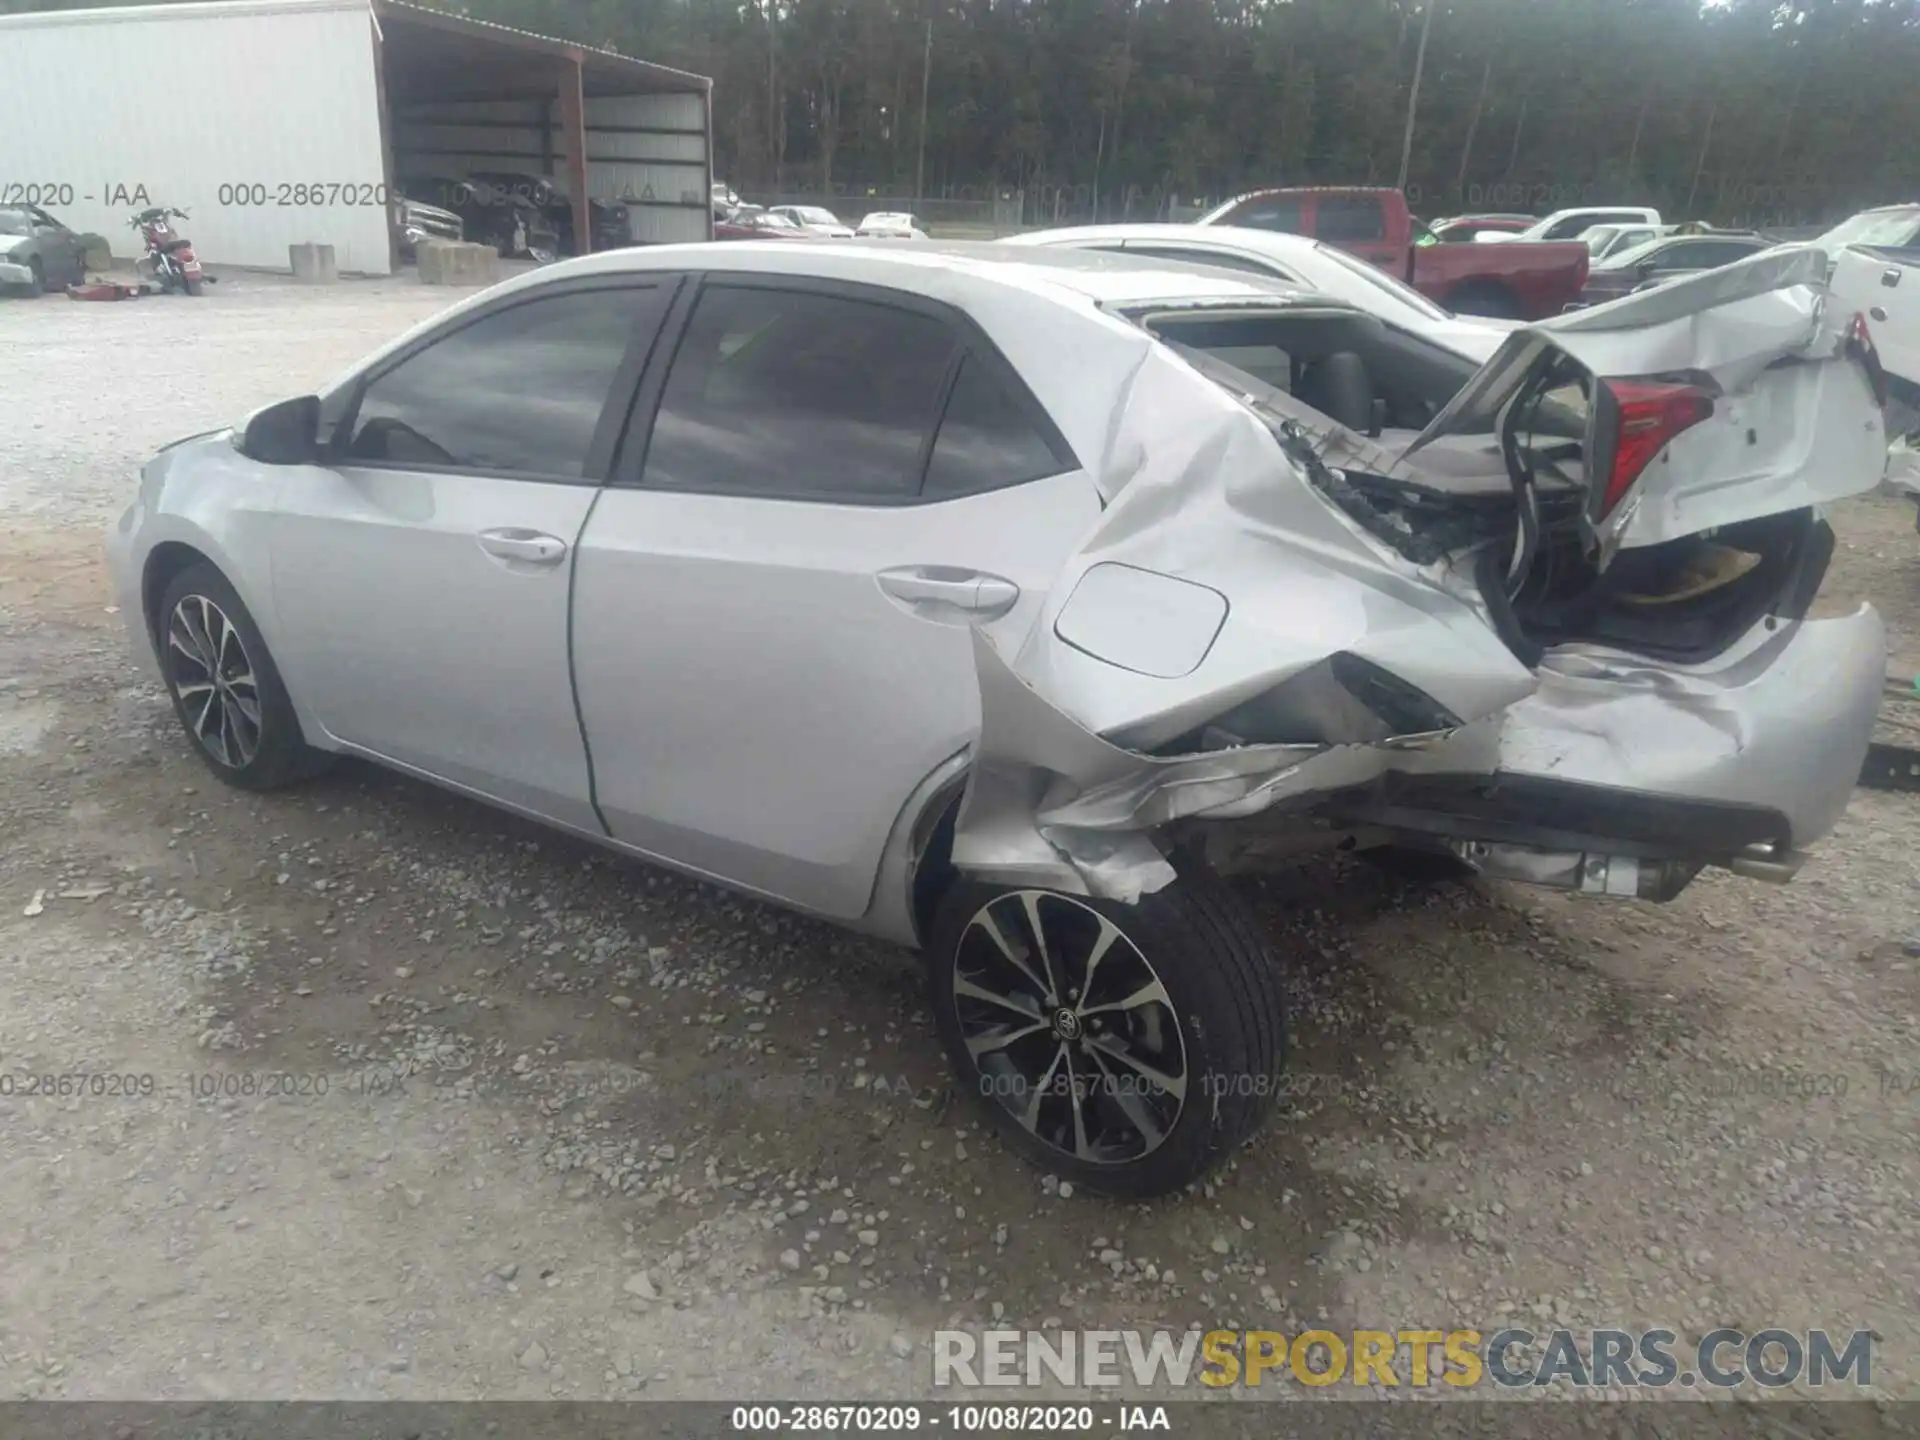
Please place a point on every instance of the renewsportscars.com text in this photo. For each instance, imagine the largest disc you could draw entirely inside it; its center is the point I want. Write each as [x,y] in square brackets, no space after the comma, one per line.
[1416,1358]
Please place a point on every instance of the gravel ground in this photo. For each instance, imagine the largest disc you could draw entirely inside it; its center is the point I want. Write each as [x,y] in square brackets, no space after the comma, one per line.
[589,1127]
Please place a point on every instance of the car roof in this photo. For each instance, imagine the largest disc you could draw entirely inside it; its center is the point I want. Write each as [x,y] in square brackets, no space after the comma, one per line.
[1319,190]
[1246,237]
[1108,280]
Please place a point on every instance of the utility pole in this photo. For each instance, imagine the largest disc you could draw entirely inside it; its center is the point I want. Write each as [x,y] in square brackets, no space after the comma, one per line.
[1706,143]
[1413,99]
[920,165]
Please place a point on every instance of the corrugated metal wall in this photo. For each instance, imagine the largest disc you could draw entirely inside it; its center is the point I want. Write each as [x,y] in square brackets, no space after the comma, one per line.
[647,151]
[650,151]
[260,121]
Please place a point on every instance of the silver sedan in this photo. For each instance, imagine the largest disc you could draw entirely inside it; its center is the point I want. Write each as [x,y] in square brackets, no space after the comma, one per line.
[999,600]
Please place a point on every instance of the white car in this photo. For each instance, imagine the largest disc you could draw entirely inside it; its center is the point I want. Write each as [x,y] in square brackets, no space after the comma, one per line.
[891,225]
[1572,224]
[815,221]
[1891,226]
[1881,286]
[1294,260]
[1604,241]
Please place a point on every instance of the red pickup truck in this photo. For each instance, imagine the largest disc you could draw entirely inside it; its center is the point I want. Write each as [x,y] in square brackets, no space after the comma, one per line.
[1524,282]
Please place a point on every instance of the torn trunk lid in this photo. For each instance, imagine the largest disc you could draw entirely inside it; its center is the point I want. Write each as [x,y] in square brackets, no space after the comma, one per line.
[1730,396]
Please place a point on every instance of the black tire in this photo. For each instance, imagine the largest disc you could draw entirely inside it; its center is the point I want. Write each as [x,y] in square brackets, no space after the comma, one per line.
[265,755]
[1411,865]
[37,286]
[1224,1005]
[1496,302]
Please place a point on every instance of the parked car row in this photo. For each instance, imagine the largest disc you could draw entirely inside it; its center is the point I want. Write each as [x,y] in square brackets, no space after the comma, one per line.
[1521,282]
[523,215]
[733,219]
[1662,260]
[37,252]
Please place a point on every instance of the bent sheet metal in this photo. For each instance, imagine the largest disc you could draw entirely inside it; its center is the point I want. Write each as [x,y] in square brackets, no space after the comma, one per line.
[1219,572]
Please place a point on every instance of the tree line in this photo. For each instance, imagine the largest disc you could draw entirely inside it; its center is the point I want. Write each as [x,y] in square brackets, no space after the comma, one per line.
[1759,111]
[1736,111]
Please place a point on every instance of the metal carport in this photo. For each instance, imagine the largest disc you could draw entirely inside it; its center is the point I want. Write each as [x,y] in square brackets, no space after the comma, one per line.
[467,95]
[275,122]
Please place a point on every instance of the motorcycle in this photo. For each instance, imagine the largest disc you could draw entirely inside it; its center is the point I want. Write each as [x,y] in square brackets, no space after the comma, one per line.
[169,260]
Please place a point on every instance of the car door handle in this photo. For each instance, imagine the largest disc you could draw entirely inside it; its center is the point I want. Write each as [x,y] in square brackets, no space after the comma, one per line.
[1890,278]
[929,589]
[530,546]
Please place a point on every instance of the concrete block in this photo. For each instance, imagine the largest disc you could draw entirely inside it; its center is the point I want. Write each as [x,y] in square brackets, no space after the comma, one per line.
[456,262]
[313,264]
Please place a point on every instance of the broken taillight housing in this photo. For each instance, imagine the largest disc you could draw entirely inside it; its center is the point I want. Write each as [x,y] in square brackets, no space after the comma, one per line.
[1860,346]
[1634,421]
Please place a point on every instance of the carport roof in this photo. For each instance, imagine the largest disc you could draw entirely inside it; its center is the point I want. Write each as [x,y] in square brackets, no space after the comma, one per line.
[432,55]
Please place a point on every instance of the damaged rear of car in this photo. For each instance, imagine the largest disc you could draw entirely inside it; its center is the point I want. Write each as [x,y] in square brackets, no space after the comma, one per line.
[1547,621]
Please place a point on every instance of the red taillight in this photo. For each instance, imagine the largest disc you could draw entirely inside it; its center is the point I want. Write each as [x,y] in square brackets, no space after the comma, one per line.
[1861,347]
[1647,414]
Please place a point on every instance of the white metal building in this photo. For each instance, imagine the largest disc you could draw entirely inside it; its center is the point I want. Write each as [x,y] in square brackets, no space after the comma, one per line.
[274,122]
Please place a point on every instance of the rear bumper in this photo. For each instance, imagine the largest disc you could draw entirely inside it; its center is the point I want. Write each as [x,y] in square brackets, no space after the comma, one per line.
[1758,753]
[12,274]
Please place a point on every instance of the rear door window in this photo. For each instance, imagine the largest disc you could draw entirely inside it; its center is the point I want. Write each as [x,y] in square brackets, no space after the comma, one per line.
[1709,253]
[1701,254]
[989,437]
[1284,213]
[1574,225]
[1353,219]
[799,394]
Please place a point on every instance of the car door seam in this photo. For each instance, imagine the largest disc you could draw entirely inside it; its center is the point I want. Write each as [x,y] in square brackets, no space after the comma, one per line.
[573,668]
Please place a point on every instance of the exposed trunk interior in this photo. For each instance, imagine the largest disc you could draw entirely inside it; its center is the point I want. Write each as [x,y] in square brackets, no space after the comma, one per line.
[1480,500]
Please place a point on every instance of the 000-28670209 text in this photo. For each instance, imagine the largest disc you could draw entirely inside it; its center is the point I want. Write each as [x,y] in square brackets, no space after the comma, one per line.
[954,1419]
[204,1085]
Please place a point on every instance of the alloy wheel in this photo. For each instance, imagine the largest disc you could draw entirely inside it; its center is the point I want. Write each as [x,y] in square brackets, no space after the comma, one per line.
[211,673]
[1069,1026]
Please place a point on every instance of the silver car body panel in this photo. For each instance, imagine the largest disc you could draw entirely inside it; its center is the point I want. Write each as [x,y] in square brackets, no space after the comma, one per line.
[757,710]
[438,654]
[747,599]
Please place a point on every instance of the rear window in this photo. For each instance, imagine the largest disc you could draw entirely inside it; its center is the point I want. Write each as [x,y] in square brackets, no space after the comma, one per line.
[15,222]
[1572,227]
[1279,212]
[1350,218]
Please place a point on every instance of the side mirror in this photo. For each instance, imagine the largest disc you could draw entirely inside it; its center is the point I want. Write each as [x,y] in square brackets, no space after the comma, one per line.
[1645,269]
[284,434]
